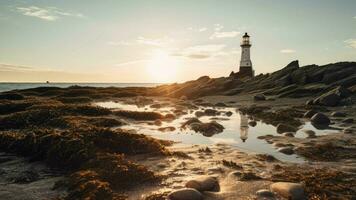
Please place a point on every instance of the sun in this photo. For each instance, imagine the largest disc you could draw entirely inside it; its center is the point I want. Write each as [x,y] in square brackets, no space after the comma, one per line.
[162,67]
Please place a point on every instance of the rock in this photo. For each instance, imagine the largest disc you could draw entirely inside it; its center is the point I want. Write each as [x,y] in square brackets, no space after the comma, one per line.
[309,113]
[289,134]
[228,113]
[259,97]
[320,119]
[167,129]
[310,133]
[211,112]
[329,99]
[252,123]
[220,104]
[199,113]
[286,150]
[245,176]
[342,92]
[26,177]
[204,183]
[264,194]
[348,120]
[157,122]
[185,194]
[207,129]
[338,114]
[281,128]
[293,191]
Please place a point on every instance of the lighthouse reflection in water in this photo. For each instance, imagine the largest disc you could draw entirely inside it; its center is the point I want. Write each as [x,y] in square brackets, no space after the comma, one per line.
[243,128]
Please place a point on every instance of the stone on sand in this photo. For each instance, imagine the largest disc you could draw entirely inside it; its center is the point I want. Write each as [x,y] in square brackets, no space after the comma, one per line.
[320,118]
[293,191]
[185,194]
[264,194]
[259,97]
[204,183]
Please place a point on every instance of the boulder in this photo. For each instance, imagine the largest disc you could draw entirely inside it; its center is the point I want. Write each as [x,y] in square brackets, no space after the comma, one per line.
[204,183]
[338,114]
[292,191]
[309,103]
[220,104]
[309,113]
[348,130]
[259,97]
[286,150]
[185,194]
[329,99]
[320,119]
[281,128]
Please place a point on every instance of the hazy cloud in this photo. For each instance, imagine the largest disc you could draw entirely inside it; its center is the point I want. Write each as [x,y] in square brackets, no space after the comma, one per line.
[287,51]
[225,34]
[351,43]
[200,51]
[218,27]
[203,29]
[154,41]
[131,62]
[120,43]
[46,13]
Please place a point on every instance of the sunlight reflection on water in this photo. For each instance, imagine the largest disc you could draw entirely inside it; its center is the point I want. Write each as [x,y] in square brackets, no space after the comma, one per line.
[237,132]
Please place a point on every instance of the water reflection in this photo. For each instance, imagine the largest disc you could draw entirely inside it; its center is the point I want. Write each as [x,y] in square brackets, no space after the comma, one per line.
[243,127]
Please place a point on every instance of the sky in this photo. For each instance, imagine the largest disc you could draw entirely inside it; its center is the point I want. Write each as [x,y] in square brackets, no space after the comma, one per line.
[167,41]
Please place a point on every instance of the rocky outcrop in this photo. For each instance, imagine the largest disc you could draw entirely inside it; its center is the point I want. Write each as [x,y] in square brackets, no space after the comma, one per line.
[291,81]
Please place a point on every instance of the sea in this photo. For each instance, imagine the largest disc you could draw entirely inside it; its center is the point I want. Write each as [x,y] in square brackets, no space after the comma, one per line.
[18,86]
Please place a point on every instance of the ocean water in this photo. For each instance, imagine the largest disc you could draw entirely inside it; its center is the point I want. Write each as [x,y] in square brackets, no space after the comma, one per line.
[17,86]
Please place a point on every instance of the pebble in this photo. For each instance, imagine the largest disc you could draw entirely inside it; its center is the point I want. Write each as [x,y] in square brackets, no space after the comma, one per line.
[286,150]
[293,191]
[310,133]
[204,183]
[185,194]
[264,194]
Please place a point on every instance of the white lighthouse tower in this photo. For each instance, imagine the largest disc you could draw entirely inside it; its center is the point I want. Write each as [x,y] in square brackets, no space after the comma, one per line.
[245,62]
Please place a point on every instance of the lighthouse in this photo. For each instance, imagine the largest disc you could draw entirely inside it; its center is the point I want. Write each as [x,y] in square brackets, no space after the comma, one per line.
[245,62]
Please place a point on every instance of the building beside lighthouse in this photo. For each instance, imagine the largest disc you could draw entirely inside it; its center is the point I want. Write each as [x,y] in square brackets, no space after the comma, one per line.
[245,62]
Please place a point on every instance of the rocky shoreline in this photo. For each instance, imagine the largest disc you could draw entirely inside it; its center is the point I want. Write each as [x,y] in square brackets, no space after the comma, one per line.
[65,129]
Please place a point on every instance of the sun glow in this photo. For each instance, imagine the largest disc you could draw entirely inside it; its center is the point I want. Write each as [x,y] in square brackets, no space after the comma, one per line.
[162,67]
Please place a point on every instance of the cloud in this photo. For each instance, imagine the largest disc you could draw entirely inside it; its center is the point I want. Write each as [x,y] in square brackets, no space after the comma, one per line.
[154,41]
[120,43]
[218,27]
[46,13]
[226,34]
[351,43]
[203,29]
[354,17]
[287,51]
[131,62]
[12,68]
[200,51]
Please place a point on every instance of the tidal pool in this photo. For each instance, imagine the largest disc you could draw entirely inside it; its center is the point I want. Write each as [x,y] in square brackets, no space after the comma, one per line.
[237,132]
